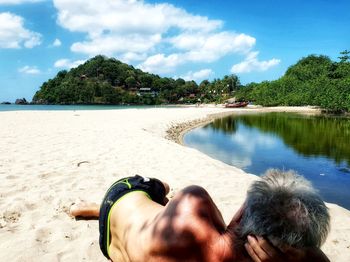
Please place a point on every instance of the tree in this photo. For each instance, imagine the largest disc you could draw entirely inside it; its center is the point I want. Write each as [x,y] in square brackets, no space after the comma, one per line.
[130,82]
[231,82]
[344,56]
[180,82]
[313,80]
[146,80]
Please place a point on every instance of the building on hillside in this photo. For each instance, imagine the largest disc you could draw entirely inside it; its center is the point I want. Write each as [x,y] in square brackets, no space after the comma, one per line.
[146,91]
[83,77]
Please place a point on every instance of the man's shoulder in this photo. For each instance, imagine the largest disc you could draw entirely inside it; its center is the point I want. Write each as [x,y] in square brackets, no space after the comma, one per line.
[194,197]
[191,207]
[188,212]
[184,228]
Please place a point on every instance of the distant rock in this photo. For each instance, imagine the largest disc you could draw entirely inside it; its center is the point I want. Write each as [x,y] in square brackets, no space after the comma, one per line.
[6,103]
[22,101]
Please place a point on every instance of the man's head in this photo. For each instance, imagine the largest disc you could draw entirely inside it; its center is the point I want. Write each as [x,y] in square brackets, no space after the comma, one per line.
[284,208]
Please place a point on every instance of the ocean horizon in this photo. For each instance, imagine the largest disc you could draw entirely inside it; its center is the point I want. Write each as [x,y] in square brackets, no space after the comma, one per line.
[14,107]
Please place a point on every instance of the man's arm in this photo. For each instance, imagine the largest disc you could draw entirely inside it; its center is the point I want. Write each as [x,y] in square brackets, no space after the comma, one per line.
[260,250]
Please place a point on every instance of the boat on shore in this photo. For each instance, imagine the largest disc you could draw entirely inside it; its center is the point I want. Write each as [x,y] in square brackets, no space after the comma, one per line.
[236,104]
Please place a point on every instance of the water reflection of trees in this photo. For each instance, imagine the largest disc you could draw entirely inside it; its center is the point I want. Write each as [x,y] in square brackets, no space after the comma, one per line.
[309,136]
[226,125]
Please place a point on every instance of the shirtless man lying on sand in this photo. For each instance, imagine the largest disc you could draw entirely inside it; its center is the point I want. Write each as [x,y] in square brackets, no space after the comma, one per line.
[282,219]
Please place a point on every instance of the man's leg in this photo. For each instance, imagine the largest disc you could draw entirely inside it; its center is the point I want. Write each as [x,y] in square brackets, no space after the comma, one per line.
[84,209]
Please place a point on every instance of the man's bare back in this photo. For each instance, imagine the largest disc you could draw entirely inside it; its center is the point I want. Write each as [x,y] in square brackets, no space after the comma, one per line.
[189,228]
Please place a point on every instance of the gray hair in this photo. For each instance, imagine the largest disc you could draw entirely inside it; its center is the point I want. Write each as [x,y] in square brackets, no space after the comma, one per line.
[285,208]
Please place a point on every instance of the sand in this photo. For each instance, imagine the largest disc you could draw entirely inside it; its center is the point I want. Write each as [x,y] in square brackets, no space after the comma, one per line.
[51,159]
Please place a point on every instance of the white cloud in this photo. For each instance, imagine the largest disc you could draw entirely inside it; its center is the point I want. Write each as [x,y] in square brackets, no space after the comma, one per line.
[160,37]
[67,63]
[57,43]
[31,70]
[17,2]
[199,47]
[14,35]
[161,63]
[199,75]
[132,56]
[125,26]
[127,16]
[251,63]
[134,31]
[204,47]
[109,44]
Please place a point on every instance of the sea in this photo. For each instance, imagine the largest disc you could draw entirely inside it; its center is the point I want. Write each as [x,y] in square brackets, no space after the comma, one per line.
[14,107]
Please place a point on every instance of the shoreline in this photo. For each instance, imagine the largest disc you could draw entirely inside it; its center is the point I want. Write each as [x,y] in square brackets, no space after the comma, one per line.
[176,133]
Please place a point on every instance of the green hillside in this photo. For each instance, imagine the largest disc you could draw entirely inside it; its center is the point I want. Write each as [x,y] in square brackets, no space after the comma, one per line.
[103,80]
[314,80]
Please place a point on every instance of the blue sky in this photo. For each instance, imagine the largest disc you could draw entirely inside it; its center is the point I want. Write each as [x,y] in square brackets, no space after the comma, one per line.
[257,40]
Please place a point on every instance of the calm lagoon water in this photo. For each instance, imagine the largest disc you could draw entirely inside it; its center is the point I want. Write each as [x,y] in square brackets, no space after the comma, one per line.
[13,107]
[317,147]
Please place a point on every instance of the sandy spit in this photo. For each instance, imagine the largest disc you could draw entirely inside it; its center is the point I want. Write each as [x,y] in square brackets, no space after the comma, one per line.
[50,159]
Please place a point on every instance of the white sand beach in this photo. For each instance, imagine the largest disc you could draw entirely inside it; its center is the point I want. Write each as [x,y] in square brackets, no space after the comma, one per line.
[50,159]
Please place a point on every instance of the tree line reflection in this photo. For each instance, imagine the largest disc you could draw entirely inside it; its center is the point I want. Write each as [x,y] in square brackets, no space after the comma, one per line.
[307,135]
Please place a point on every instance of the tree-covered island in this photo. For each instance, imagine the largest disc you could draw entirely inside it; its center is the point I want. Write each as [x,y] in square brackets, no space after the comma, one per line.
[103,80]
[313,80]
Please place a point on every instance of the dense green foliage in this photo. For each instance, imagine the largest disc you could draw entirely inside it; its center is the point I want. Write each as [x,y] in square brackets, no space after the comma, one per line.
[314,80]
[103,80]
[309,136]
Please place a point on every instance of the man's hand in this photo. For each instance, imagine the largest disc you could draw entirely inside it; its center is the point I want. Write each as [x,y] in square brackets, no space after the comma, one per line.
[260,250]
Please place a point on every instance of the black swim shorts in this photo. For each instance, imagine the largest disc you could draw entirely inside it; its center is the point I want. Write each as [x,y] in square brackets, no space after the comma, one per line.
[152,187]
